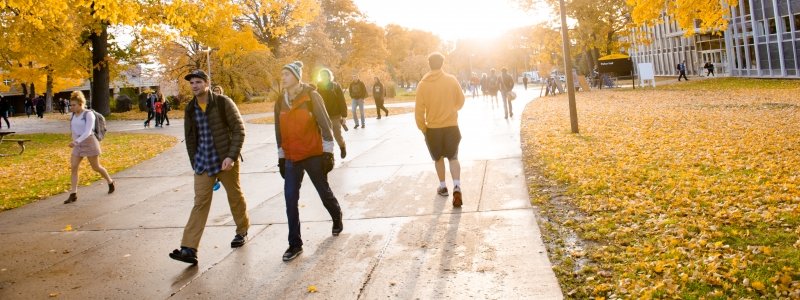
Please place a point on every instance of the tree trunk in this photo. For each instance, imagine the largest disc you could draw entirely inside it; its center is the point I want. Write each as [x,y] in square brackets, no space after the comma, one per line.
[32,90]
[49,91]
[25,90]
[100,73]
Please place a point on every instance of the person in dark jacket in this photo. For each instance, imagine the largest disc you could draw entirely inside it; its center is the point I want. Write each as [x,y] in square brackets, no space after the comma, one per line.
[379,93]
[40,105]
[28,107]
[5,106]
[214,134]
[358,91]
[165,109]
[335,105]
[305,146]
[506,84]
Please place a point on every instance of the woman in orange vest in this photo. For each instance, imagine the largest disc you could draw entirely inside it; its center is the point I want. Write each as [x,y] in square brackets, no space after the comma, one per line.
[305,145]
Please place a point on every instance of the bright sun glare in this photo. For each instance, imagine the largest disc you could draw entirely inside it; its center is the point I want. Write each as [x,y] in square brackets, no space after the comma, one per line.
[453,19]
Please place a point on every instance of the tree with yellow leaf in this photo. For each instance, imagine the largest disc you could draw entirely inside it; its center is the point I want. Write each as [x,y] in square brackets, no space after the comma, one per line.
[712,15]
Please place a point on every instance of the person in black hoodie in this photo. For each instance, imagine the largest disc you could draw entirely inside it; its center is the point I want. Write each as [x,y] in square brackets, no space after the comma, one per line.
[379,93]
[5,105]
[333,96]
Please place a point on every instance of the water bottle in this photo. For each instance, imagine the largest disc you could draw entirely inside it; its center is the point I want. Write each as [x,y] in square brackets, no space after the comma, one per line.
[216,185]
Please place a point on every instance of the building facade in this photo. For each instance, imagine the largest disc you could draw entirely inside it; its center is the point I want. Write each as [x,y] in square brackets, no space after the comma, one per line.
[762,40]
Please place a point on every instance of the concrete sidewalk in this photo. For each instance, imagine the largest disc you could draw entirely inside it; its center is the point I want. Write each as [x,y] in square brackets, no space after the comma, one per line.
[400,239]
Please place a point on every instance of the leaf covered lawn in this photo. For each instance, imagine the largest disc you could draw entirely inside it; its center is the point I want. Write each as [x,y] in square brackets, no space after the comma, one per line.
[681,192]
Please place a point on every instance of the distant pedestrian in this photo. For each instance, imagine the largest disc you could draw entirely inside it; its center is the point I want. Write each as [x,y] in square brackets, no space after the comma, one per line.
[438,100]
[218,90]
[305,146]
[484,85]
[379,93]
[358,91]
[682,71]
[474,85]
[159,110]
[40,107]
[28,106]
[493,82]
[506,83]
[214,134]
[710,69]
[335,105]
[165,110]
[151,108]
[5,106]
[84,144]
[525,81]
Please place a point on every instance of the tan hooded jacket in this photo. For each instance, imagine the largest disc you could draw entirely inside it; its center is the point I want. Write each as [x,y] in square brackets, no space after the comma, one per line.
[439,98]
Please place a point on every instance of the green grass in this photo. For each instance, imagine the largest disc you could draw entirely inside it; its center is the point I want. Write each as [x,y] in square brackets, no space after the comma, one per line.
[733,83]
[43,169]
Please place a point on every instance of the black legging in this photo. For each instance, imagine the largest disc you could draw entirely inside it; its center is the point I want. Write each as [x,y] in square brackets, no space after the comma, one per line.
[379,106]
[4,115]
[164,118]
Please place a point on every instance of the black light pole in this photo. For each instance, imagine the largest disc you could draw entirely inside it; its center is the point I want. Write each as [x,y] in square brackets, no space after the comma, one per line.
[573,110]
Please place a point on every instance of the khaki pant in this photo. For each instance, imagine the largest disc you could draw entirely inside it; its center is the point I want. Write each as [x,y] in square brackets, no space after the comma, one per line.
[336,121]
[203,191]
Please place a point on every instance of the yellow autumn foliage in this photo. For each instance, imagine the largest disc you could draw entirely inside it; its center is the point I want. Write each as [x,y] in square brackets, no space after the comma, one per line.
[689,191]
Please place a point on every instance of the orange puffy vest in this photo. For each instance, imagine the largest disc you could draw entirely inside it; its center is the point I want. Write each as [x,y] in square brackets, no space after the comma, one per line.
[300,136]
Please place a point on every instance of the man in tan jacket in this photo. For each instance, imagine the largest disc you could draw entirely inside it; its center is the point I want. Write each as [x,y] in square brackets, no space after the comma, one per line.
[439,98]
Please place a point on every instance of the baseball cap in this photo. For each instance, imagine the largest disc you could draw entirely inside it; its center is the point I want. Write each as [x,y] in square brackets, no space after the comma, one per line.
[196,73]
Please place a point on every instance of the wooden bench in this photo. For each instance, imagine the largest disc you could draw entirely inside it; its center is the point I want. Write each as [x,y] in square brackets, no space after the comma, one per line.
[20,142]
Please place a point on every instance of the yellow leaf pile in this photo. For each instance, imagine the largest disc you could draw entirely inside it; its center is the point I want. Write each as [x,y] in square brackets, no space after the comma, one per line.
[43,169]
[684,192]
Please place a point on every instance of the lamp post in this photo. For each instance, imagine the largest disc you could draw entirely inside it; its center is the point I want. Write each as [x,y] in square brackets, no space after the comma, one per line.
[208,50]
[573,111]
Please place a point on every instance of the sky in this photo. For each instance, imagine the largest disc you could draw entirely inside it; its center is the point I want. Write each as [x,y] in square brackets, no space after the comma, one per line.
[453,19]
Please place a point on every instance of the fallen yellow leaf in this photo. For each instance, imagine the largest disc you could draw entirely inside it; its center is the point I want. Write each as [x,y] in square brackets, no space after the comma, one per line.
[68,228]
[312,289]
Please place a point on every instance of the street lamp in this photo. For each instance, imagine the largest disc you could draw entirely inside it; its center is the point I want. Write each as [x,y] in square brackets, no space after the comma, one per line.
[573,111]
[208,50]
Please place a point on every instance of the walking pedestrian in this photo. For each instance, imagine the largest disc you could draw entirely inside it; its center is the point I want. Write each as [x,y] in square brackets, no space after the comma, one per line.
[358,91]
[438,100]
[682,71]
[333,96]
[474,83]
[484,85]
[709,68]
[166,108]
[214,134]
[506,85]
[28,106]
[84,144]
[525,81]
[494,85]
[378,93]
[40,106]
[159,110]
[218,90]
[151,108]
[5,106]
[305,145]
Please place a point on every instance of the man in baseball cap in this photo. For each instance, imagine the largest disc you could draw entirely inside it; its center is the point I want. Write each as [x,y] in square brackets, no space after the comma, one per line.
[196,74]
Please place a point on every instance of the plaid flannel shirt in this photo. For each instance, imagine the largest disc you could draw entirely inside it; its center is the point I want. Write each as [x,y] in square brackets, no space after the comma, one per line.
[206,159]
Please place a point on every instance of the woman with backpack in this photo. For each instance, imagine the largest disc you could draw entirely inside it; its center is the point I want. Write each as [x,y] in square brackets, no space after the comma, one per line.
[84,143]
[165,109]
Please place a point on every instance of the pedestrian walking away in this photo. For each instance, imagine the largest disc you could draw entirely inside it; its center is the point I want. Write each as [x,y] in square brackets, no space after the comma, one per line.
[28,107]
[379,93]
[84,143]
[358,91]
[305,145]
[493,82]
[159,110]
[5,106]
[40,107]
[335,105]
[525,81]
[214,134]
[438,100]
[506,85]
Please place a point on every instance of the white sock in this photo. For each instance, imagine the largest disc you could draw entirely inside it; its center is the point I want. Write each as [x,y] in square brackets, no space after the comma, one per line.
[456,183]
[442,184]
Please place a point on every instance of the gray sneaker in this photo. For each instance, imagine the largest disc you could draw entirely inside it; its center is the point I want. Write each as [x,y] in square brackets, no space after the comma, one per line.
[442,191]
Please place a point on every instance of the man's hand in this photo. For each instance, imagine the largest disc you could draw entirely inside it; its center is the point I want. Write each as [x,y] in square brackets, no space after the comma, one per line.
[327,162]
[72,144]
[282,167]
[227,164]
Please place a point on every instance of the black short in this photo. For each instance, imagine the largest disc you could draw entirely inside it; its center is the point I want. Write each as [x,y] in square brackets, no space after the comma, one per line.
[443,142]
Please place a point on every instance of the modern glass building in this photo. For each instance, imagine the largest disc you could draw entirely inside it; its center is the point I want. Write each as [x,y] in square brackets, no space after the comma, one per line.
[762,40]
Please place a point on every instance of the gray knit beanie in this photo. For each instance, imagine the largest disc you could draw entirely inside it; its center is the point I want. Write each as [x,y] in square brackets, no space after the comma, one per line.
[296,68]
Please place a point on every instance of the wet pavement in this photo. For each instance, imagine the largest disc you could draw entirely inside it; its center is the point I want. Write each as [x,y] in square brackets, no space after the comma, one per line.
[400,240]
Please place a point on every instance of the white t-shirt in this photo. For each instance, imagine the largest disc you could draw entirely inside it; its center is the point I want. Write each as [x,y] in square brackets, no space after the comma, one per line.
[82,126]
